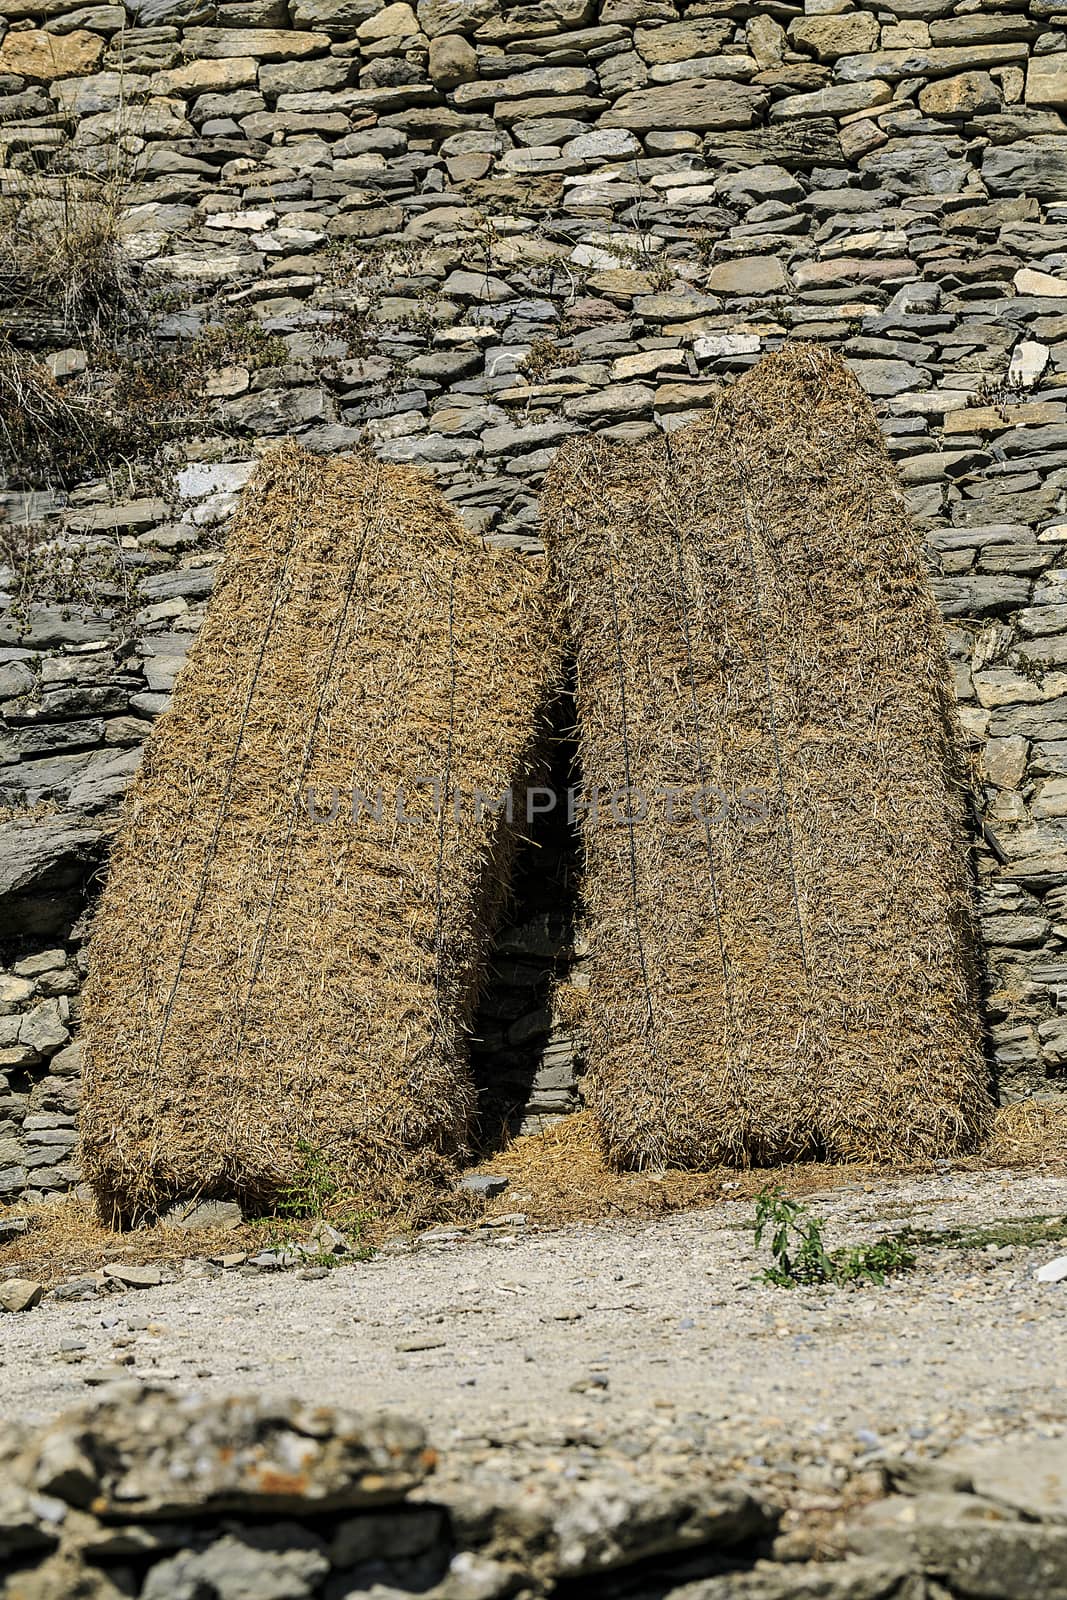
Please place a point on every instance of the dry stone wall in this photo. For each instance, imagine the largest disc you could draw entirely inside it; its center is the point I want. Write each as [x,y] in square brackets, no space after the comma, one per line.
[460,231]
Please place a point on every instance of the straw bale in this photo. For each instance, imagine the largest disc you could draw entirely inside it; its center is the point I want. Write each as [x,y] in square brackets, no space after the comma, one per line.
[271,996]
[793,977]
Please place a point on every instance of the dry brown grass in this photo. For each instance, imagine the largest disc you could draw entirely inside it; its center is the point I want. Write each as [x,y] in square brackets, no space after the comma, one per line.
[750,614]
[557,1177]
[271,996]
[1027,1136]
[66,1239]
[47,435]
[563,1175]
[63,263]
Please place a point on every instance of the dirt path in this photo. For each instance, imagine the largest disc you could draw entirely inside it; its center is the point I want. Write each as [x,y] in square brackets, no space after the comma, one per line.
[646,1328]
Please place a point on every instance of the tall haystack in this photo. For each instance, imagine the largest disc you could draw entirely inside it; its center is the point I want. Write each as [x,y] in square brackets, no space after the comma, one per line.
[289,946]
[782,961]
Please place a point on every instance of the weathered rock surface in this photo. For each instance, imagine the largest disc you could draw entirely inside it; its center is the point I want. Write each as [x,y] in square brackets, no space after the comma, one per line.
[237,1499]
[164,1456]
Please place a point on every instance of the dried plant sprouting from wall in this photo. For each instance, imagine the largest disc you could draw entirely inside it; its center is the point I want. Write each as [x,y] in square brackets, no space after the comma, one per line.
[237,340]
[64,269]
[545,357]
[47,437]
[40,565]
[55,435]
[360,277]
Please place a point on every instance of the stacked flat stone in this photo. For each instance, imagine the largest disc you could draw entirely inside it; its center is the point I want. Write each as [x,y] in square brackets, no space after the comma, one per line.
[479,229]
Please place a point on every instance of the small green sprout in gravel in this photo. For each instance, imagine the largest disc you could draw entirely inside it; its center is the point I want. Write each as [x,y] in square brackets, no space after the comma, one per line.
[800,1256]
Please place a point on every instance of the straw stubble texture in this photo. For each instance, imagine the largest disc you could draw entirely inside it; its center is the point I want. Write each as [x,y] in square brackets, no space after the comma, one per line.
[266,991]
[794,976]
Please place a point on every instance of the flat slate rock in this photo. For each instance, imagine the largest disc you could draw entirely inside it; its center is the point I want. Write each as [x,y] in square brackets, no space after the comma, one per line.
[142,1452]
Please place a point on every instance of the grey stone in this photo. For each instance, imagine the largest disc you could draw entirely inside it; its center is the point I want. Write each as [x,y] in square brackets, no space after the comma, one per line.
[68,1061]
[16,678]
[132,1277]
[760,183]
[46,627]
[854,1578]
[163,1454]
[58,1092]
[836,100]
[301,77]
[104,91]
[982,29]
[656,308]
[43,866]
[47,739]
[189,583]
[277,411]
[888,377]
[700,105]
[129,516]
[150,705]
[602,144]
[42,1030]
[104,780]
[207,1214]
[20,1294]
[613,403]
[812,142]
[437,17]
[920,62]
[338,18]
[917,166]
[972,1544]
[484,1185]
[261,44]
[280,1563]
[480,287]
[1030,1478]
[611,1519]
[748,275]
[1037,167]
[508,440]
[980,596]
[98,18]
[154,13]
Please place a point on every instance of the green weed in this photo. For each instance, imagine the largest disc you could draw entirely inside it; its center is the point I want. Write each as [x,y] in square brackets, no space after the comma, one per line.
[313,1188]
[314,1194]
[801,1257]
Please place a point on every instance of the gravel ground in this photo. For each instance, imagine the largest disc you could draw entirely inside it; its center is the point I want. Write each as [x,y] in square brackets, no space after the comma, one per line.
[641,1328]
